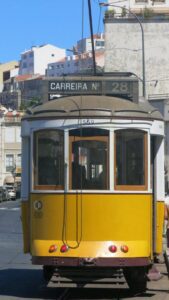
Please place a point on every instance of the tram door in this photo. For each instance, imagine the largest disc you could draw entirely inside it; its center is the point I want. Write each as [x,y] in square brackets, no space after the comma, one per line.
[88,162]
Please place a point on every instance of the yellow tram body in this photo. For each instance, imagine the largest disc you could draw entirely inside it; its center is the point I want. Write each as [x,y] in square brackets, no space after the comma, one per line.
[46,229]
[108,215]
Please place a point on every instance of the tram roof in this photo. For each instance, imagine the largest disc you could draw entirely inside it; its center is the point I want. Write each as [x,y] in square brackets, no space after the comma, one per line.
[93,106]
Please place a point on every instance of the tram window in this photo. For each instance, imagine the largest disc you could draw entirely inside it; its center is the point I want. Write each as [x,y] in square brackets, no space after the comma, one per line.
[130,159]
[89,162]
[48,159]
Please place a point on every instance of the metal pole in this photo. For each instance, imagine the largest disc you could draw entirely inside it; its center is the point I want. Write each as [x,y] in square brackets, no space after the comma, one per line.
[143,48]
[91,32]
[143,53]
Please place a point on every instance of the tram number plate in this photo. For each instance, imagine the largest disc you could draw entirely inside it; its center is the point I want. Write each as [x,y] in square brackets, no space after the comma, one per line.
[118,87]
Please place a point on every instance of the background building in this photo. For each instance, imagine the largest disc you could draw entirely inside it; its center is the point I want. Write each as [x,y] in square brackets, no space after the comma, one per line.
[85,45]
[10,146]
[81,61]
[136,39]
[36,59]
[76,64]
[7,71]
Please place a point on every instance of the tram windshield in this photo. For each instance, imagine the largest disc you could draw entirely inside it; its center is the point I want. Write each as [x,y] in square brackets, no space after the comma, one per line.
[48,158]
[89,160]
[131,157]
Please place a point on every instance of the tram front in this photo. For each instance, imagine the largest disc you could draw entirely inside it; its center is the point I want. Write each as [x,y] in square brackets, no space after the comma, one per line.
[92,187]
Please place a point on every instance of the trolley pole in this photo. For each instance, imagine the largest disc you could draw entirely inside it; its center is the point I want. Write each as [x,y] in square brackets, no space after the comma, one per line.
[92,40]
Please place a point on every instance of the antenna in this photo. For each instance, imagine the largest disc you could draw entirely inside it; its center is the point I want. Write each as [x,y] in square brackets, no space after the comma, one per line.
[92,40]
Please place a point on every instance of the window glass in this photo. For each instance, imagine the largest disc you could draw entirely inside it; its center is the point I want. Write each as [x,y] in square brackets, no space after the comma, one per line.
[130,158]
[89,161]
[49,156]
[18,160]
[9,162]
[141,1]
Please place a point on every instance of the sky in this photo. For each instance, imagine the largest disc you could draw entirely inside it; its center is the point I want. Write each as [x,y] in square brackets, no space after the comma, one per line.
[35,22]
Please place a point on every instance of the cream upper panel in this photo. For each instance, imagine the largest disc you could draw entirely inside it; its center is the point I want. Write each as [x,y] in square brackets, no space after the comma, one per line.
[154,126]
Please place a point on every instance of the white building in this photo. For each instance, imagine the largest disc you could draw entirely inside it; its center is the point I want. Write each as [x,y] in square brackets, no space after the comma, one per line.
[82,58]
[36,59]
[85,45]
[10,146]
[76,64]
[159,7]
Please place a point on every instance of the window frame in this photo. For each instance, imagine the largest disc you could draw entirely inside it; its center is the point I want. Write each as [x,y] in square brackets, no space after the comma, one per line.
[9,157]
[144,187]
[35,170]
[90,138]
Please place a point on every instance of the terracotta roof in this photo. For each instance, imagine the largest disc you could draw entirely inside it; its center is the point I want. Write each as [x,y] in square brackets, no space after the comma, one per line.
[27,76]
[22,77]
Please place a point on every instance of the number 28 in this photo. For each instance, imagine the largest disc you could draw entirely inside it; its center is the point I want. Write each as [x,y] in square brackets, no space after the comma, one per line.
[121,87]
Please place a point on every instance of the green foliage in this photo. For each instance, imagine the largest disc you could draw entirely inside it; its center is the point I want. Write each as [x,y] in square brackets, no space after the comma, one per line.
[110,13]
[124,12]
[29,103]
[148,12]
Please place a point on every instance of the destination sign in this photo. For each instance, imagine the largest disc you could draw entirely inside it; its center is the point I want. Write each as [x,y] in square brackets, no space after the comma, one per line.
[78,87]
[112,87]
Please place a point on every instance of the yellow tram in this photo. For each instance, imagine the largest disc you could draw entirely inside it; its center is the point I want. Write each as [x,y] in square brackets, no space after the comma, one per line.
[93,180]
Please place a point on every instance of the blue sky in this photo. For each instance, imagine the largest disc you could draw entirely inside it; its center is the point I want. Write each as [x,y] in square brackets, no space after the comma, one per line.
[35,22]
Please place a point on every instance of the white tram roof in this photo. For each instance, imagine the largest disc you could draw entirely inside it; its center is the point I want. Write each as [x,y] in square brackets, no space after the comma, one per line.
[93,106]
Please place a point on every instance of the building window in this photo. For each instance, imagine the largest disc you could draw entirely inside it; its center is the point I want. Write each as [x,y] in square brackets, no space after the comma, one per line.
[99,43]
[18,160]
[49,159]
[9,162]
[130,160]
[141,1]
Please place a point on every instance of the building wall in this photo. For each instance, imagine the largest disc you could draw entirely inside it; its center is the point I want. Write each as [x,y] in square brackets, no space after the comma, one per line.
[159,6]
[11,99]
[6,67]
[76,64]
[123,51]
[10,144]
[85,45]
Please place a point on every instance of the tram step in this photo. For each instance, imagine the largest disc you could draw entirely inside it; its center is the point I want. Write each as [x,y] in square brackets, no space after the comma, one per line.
[77,279]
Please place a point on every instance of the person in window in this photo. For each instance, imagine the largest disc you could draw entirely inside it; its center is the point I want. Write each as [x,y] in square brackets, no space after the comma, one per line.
[78,176]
